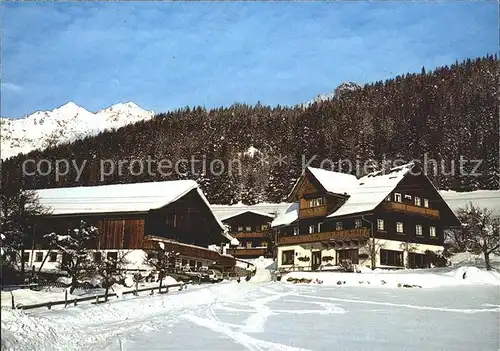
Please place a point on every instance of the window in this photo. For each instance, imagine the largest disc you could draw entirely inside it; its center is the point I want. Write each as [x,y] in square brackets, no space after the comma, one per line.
[418,229]
[357,223]
[263,244]
[184,262]
[397,197]
[432,231]
[198,264]
[249,244]
[248,228]
[295,230]
[240,228]
[287,257]
[391,258]
[349,254]
[39,257]
[426,202]
[319,227]
[380,225]
[97,257]
[113,257]
[312,229]
[418,201]
[315,202]
[192,263]
[26,256]
[388,198]
[53,257]
[408,197]
[264,227]
[416,260]
[399,227]
[66,259]
[338,226]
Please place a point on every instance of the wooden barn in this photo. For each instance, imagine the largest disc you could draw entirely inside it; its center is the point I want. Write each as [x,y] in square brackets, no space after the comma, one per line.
[136,217]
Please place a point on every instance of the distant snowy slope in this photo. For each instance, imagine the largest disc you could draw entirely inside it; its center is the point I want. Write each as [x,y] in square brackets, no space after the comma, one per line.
[63,124]
[482,198]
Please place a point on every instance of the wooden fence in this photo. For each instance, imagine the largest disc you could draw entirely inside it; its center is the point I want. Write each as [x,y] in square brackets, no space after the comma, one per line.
[97,298]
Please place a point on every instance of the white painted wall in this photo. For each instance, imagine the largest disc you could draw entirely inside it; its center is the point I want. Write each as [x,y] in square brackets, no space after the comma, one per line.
[307,249]
[136,260]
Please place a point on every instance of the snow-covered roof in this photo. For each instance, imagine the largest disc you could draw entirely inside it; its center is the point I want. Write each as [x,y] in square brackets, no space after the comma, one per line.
[334,182]
[290,215]
[371,190]
[117,198]
[364,193]
[227,211]
[260,213]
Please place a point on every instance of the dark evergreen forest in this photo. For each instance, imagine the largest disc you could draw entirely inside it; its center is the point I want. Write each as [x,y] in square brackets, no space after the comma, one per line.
[445,114]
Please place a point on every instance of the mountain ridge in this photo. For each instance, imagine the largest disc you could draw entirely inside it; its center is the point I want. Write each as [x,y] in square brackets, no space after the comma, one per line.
[66,123]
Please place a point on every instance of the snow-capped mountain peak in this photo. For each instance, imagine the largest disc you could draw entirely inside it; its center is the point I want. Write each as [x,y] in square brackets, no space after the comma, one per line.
[65,123]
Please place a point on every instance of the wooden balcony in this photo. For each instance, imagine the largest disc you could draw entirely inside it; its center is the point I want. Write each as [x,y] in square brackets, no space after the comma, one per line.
[400,207]
[241,235]
[244,251]
[318,211]
[351,234]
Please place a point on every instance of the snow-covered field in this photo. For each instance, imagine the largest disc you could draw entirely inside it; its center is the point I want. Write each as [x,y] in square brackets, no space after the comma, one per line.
[277,316]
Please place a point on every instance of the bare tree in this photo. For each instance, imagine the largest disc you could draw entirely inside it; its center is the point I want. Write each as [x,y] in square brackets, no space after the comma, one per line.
[18,207]
[407,247]
[109,268]
[162,261]
[74,246]
[373,247]
[482,229]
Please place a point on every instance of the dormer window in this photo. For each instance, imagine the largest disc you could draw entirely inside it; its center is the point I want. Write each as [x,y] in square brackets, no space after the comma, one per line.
[418,201]
[426,203]
[240,228]
[398,197]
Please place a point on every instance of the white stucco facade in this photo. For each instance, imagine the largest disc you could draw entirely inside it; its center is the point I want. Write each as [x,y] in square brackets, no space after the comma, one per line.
[307,250]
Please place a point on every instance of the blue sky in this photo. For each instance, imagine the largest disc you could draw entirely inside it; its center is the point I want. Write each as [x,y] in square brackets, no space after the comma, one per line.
[165,55]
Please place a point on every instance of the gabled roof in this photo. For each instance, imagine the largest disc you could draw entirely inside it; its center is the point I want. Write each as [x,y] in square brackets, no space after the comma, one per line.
[246,211]
[226,211]
[364,193]
[118,198]
[371,190]
[334,182]
[290,215]
[331,182]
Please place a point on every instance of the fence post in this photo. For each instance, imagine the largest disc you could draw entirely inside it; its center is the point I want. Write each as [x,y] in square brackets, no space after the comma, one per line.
[13,304]
[152,291]
[74,302]
[65,297]
[49,305]
[97,299]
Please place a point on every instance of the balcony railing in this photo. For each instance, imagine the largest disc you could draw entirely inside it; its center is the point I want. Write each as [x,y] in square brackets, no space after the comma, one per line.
[317,211]
[247,251]
[350,234]
[424,211]
[250,235]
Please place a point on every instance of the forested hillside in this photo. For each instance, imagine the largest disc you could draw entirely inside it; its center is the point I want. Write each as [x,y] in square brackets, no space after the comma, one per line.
[448,113]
